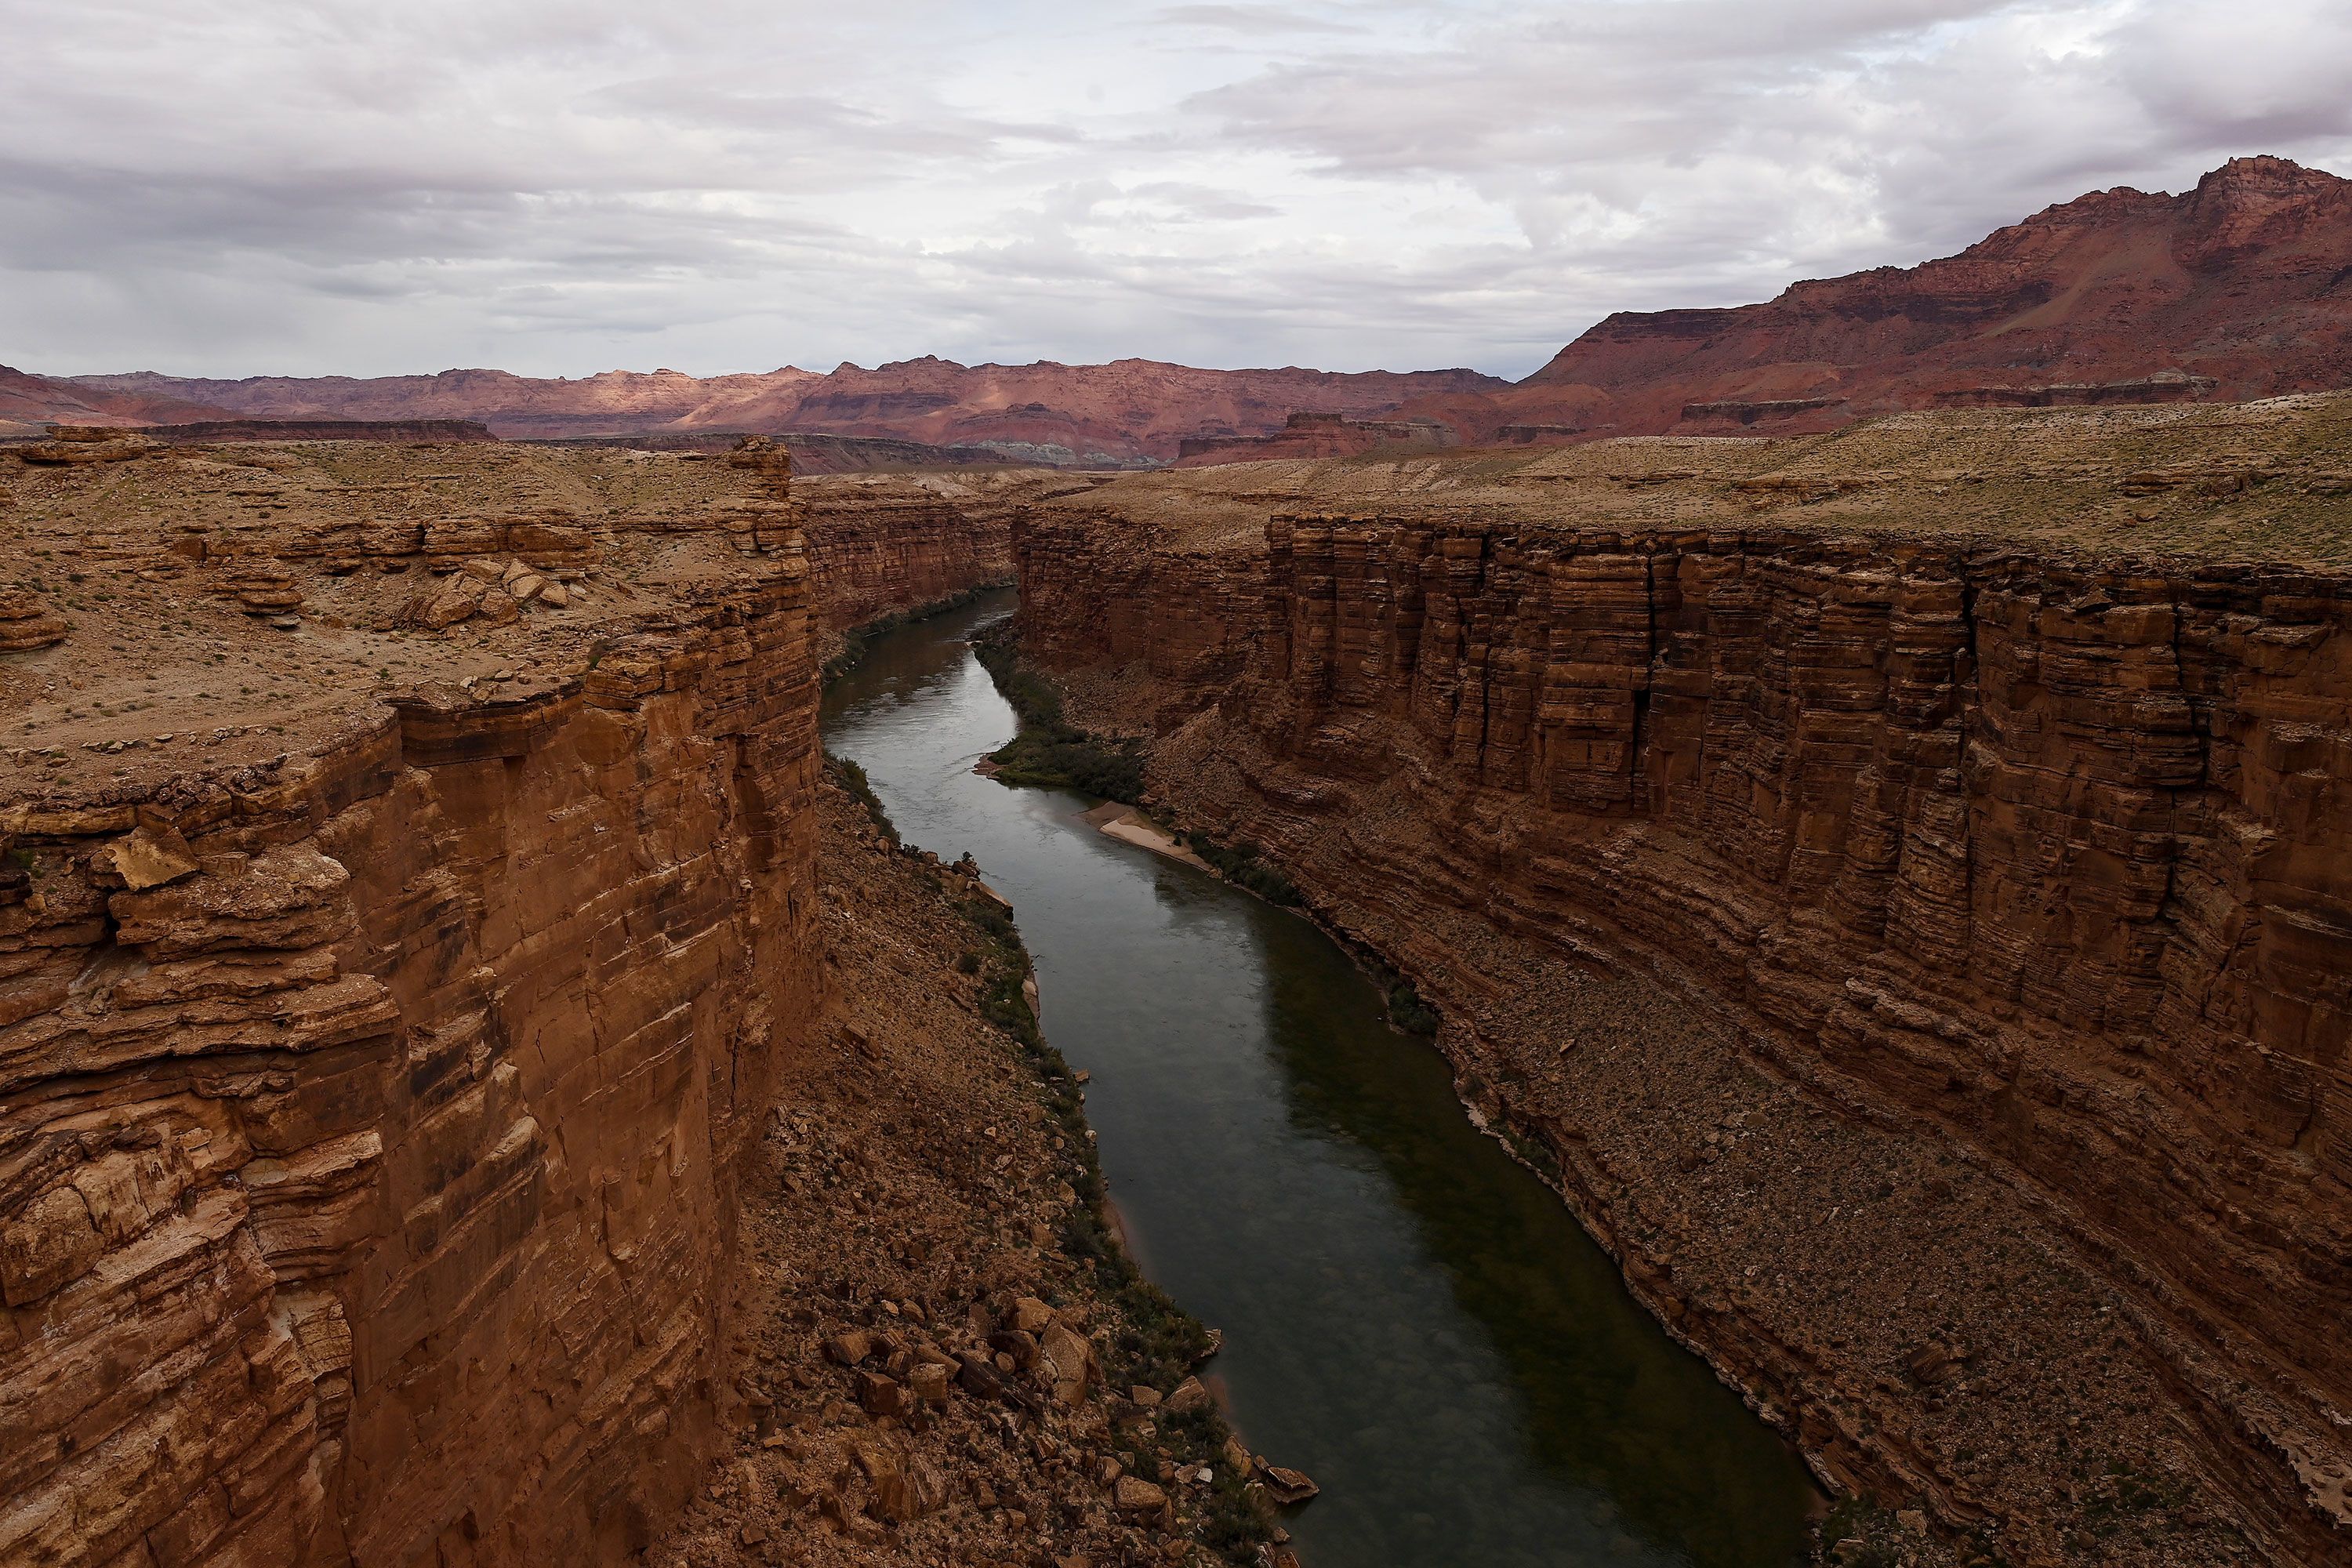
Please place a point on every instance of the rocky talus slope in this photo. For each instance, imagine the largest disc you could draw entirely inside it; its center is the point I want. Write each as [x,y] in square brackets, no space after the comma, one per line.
[408,913]
[1895,884]
[940,1357]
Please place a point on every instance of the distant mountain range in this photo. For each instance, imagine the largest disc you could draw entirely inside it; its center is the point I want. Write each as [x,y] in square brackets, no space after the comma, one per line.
[2240,288]
[1130,412]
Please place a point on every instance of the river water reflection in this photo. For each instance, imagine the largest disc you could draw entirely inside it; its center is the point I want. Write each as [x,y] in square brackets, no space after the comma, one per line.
[1409,1316]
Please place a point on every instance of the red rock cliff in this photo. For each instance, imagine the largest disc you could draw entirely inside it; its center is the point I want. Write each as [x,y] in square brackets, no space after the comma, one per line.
[375,1074]
[2030,857]
[371,1118]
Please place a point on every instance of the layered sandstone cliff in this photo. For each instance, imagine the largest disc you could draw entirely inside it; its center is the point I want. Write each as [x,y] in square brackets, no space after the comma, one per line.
[2025,864]
[390,997]
[880,543]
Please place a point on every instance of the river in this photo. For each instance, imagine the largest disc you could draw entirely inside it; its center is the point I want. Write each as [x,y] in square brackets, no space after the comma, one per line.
[1410,1316]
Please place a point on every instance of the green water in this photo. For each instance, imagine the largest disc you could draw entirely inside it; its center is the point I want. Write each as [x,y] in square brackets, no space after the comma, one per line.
[1410,1317]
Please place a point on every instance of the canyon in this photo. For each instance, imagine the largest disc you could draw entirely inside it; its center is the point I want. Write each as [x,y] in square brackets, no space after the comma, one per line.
[1890,882]
[479,1088]
[411,920]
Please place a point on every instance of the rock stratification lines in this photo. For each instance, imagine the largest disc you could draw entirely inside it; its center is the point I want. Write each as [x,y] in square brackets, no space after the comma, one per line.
[387,1013]
[2026,862]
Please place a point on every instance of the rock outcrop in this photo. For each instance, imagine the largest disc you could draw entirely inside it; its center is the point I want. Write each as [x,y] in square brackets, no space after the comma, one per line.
[25,624]
[370,1145]
[811,453]
[209,432]
[390,1003]
[1318,436]
[2026,866]
[75,444]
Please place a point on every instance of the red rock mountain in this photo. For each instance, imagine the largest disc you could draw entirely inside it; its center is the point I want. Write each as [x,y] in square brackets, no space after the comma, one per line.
[2240,289]
[1125,411]
[33,402]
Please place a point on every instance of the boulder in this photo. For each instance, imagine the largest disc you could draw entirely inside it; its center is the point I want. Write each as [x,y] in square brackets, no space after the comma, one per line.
[148,857]
[1287,1486]
[1071,1361]
[1133,1494]
[979,1377]
[1934,1364]
[908,1493]
[877,1395]
[1189,1395]
[25,624]
[445,604]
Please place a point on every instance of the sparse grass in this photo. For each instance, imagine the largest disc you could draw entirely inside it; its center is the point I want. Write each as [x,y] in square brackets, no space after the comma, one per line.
[1408,1012]
[851,777]
[1241,865]
[1863,1520]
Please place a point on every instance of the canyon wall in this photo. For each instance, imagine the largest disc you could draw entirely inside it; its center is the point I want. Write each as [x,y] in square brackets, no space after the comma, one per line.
[372,1117]
[377,1075]
[881,548]
[2028,857]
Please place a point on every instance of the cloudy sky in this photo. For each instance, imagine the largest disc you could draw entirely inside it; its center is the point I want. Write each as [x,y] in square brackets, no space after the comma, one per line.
[561,187]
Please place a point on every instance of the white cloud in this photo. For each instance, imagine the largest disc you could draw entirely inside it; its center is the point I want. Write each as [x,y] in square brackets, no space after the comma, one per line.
[559,186]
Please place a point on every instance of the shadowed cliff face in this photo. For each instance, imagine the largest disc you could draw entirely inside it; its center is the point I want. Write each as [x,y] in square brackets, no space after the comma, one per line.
[379,1053]
[2033,859]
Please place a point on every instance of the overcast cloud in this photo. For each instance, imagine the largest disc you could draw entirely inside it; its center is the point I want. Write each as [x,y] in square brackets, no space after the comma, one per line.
[561,187]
